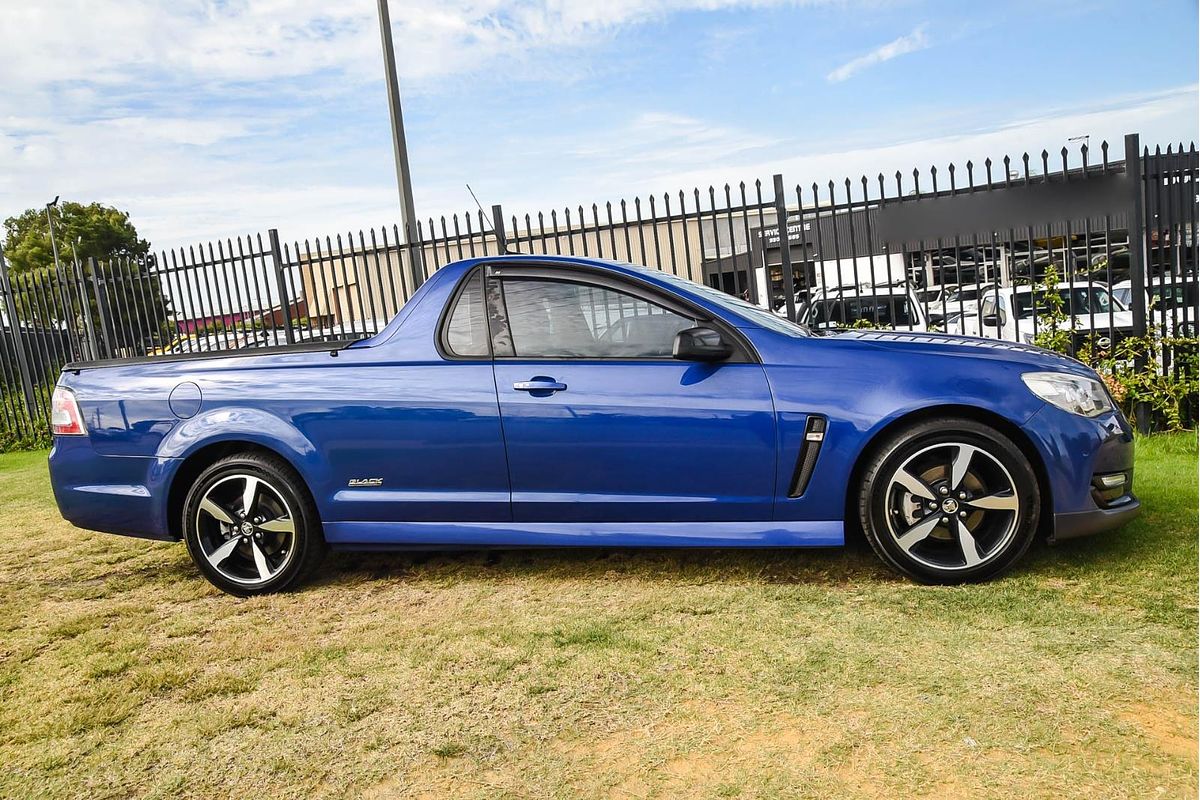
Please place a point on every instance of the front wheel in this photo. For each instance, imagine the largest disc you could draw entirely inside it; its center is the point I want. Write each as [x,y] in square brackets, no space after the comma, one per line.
[949,501]
[251,526]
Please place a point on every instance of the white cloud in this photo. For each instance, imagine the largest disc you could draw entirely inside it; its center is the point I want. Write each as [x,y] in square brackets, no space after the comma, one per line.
[1160,118]
[728,158]
[156,105]
[180,194]
[917,40]
[117,42]
[173,111]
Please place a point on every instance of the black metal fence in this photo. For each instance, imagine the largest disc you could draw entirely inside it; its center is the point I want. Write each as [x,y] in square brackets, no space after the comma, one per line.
[1095,250]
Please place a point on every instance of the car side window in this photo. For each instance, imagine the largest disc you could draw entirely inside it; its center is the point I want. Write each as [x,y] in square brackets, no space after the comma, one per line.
[467,328]
[567,319]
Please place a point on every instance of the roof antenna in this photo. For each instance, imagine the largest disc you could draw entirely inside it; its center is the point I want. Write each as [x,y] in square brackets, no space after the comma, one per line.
[508,250]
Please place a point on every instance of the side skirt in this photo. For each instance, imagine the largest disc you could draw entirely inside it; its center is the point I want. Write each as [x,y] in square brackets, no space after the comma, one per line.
[400,535]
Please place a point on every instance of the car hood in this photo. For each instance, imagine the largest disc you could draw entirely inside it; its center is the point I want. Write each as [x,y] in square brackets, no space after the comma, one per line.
[945,344]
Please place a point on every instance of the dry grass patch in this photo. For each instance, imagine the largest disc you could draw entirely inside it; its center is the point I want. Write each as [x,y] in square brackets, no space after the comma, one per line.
[600,673]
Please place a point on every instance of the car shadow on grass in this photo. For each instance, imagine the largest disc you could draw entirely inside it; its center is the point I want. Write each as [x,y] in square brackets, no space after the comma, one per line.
[851,565]
[587,564]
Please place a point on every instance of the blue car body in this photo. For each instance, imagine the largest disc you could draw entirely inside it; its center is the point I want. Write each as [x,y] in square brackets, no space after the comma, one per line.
[402,445]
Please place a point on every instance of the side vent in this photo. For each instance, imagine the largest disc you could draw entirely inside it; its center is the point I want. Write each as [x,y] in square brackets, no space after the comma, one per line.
[814,435]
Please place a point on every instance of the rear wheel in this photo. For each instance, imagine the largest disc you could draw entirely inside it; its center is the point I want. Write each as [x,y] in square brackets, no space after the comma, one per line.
[949,501]
[250,525]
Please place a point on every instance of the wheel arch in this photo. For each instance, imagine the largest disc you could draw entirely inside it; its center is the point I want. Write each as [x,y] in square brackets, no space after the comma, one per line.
[981,415]
[199,460]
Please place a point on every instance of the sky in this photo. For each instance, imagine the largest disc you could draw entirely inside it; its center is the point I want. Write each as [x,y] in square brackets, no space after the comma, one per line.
[215,118]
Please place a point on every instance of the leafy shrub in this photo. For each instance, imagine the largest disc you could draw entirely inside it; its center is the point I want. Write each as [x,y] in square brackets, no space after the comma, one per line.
[1161,373]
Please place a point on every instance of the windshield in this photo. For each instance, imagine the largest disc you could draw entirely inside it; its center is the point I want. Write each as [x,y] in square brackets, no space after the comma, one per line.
[1077,300]
[733,304]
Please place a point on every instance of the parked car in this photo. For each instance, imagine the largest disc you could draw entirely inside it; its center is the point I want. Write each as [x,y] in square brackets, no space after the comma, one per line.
[800,299]
[199,343]
[947,307]
[933,295]
[1172,299]
[263,337]
[965,299]
[881,306]
[1012,313]
[541,401]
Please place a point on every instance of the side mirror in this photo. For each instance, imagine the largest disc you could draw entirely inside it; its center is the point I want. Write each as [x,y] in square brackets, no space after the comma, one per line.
[996,319]
[700,344]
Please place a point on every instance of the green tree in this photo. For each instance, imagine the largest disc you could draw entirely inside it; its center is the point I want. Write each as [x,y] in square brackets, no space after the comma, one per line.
[96,231]
[123,295]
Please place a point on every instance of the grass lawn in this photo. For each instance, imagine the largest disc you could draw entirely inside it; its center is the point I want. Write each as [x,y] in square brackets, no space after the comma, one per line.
[600,673]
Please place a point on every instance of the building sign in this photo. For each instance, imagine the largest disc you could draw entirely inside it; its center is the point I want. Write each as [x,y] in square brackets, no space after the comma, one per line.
[770,236]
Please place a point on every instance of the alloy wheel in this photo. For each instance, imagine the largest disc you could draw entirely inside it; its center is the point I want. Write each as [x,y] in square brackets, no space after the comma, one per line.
[245,529]
[952,506]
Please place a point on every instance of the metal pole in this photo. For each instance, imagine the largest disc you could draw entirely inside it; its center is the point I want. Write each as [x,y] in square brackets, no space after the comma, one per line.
[785,250]
[408,219]
[285,302]
[62,283]
[1137,261]
[498,226]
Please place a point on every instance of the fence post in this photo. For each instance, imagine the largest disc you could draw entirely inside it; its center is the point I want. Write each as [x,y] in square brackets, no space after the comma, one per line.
[498,227]
[785,251]
[285,303]
[1137,259]
[14,322]
[101,308]
[85,308]
[757,257]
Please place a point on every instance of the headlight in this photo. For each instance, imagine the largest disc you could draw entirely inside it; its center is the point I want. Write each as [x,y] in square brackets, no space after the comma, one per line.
[1074,393]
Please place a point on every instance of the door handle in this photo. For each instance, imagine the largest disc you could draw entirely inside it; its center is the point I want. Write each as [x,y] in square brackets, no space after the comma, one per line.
[539,385]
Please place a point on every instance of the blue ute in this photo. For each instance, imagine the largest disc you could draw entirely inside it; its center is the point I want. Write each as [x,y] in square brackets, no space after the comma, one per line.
[532,401]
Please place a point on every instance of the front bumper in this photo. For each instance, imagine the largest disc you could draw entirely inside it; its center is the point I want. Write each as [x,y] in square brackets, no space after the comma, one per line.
[1089,466]
[1086,523]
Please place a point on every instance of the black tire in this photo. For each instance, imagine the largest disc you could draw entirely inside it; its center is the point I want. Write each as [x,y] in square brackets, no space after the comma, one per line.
[234,553]
[944,538]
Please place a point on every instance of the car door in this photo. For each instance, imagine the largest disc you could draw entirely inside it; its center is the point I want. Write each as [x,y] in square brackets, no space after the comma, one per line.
[601,424]
[410,429]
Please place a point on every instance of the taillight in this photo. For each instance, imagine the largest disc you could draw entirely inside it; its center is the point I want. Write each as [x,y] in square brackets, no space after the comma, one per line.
[65,417]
